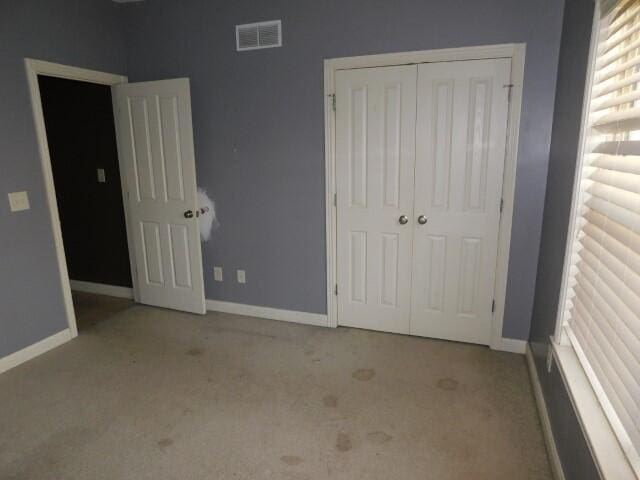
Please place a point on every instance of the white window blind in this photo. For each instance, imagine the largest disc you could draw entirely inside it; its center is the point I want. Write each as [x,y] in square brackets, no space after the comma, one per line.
[602,308]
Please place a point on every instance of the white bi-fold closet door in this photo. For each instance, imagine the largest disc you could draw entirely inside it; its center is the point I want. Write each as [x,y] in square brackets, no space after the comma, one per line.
[419,160]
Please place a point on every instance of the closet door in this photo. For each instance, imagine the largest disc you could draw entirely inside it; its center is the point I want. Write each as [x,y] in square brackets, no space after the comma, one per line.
[375,153]
[461,134]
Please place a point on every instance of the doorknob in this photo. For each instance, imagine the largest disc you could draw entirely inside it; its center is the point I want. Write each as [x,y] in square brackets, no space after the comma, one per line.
[422,219]
[188,214]
[403,219]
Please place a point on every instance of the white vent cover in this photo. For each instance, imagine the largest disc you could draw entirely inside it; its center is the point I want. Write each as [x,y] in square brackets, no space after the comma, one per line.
[252,36]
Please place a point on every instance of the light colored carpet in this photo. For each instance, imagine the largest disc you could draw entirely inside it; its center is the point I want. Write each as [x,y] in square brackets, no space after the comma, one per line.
[156,394]
[91,308]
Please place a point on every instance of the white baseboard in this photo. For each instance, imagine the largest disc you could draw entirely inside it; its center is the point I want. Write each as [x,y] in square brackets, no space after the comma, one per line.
[32,351]
[511,345]
[101,289]
[552,451]
[266,312]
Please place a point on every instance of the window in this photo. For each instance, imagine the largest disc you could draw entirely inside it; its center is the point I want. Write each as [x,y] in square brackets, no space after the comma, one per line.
[601,310]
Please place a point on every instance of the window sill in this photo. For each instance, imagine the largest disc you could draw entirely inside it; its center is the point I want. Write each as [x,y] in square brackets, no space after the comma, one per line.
[607,452]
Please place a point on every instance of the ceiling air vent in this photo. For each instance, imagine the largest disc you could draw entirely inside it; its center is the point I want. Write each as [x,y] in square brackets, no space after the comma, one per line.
[252,36]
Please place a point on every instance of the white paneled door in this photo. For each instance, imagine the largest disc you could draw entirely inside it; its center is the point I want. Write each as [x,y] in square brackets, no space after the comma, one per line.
[436,158]
[461,134]
[375,154]
[155,139]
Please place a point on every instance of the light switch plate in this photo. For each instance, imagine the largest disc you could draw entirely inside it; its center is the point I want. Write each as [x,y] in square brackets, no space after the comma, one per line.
[19,201]
[101,176]
[217,274]
[242,277]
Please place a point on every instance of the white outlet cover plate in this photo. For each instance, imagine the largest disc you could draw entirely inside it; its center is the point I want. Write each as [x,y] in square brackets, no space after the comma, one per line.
[241,277]
[217,274]
[19,201]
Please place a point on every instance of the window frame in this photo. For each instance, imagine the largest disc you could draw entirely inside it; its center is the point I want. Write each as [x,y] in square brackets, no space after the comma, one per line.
[609,455]
[560,336]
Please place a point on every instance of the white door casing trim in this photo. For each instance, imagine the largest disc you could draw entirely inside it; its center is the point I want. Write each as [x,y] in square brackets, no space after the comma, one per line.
[516,52]
[33,69]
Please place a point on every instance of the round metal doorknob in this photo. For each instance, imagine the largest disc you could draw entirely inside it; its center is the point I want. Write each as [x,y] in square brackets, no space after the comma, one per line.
[422,219]
[188,214]
[403,219]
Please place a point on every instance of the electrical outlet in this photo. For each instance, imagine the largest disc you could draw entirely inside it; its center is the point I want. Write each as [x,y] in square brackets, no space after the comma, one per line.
[241,276]
[217,274]
[101,176]
[19,201]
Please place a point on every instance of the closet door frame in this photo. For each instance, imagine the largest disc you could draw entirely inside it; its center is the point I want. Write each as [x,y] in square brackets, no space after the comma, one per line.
[516,52]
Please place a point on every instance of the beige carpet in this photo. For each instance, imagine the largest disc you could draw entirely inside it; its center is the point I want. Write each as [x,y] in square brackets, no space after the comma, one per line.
[91,309]
[156,394]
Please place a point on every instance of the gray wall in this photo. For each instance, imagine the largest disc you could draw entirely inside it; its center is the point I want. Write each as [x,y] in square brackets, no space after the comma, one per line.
[84,33]
[576,458]
[258,123]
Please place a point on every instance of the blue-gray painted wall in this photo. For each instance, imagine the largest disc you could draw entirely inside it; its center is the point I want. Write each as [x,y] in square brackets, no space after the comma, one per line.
[258,128]
[258,123]
[84,33]
[575,455]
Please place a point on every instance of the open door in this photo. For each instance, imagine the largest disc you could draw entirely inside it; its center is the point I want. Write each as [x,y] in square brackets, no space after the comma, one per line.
[155,144]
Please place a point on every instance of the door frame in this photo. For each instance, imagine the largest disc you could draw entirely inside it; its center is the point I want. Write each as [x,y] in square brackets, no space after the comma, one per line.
[516,52]
[33,69]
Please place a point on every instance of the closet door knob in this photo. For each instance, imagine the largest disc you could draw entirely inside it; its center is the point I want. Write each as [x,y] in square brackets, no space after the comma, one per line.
[403,219]
[422,219]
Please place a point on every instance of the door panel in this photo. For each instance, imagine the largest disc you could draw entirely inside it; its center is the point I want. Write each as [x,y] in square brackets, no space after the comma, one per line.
[152,255]
[460,149]
[156,154]
[375,154]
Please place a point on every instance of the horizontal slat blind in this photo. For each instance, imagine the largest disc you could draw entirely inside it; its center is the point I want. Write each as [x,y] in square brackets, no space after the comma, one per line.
[602,308]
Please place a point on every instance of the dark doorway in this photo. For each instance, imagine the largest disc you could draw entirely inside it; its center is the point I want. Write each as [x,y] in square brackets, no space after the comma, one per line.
[82,144]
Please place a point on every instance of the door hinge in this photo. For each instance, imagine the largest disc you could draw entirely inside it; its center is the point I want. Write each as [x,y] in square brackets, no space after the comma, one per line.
[335,199]
[493,306]
[501,204]
[336,289]
[510,87]
[333,101]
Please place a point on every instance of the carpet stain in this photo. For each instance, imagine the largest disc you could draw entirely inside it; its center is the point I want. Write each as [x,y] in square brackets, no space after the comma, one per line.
[379,437]
[364,374]
[330,401]
[243,332]
[195,352]
[309,352]
[165,442]
[343,442]
[447,384]
[291,460]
